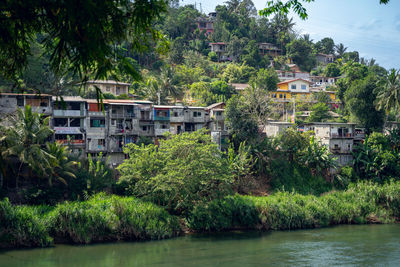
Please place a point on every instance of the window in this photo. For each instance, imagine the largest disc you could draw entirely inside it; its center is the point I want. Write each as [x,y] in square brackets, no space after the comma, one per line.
[144,128]
[20,101]
[113,122]
[101,142]
[284,95]
[280,96]
[303,87]
[60,122]
[108,88]
[75,123]
[196,114]
[293,86]
[97,123]
[164,126]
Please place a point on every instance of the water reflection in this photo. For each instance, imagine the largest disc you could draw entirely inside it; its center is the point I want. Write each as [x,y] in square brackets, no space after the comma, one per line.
[342,245]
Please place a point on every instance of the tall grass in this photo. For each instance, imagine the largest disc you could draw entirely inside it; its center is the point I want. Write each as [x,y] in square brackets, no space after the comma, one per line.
[101,218]
[106,218]
[361,203]
[21,227]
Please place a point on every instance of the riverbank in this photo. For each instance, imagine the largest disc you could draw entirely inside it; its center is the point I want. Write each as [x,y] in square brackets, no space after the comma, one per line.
[112,218]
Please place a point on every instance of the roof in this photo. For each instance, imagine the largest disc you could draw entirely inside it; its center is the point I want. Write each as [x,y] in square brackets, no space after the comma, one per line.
[107,82]
[325,55]
[218,43]
[329,123]
[16,94]
[166,106]
[289,81]
[280,122]
[215,105]
[239,86]
[68,98]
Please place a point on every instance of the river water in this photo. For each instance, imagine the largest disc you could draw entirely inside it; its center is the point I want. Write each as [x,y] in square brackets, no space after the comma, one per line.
[365,245]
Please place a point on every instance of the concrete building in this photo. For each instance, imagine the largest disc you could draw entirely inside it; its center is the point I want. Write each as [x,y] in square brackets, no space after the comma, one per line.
[268,49]
[325,59]
[109,86]
[274,128]
[220,49]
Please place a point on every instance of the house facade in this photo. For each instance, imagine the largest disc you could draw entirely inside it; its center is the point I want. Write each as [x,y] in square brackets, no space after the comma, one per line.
[109,86]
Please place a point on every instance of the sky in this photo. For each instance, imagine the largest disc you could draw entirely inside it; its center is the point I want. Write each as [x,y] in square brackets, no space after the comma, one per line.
[365,26]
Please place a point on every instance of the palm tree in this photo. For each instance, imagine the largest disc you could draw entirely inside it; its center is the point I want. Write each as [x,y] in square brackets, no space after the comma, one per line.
[306,37]
[167,83]
[340,50]
[24,139]
[61,167]
[389,97]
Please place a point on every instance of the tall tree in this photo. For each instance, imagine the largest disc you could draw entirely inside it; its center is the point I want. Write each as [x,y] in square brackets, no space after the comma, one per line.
[388,97]
[325,46]
[340,49]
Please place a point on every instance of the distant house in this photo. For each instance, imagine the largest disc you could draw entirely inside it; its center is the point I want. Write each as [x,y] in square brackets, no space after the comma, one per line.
[110,86]
[205,24]
[296,88]
[323,81]
[325,58]
[239,87]
[274,128]
[220,49]
[284,75]
[268,49]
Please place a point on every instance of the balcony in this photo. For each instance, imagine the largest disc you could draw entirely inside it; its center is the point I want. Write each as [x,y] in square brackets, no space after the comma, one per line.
[159,132]
[338,150]
[71,142]
[177,119]
[67,130]
[348,135]
[161,118]
[123,114]
[68,113]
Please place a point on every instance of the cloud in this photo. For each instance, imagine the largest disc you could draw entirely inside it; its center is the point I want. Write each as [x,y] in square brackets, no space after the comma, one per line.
[375,23]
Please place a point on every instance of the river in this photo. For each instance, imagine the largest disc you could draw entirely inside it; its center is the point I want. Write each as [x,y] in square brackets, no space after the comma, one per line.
[342,245]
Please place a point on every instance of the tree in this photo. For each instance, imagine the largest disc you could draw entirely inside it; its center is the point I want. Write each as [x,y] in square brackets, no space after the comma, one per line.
[213,56]
[388,97]
[266,79]
[360,98]
[184,170]
[279,7]
[300,52]
[319,113]
[332,70]
[80,36]
[242,126]
[325,46]
[24,139]
[61,167]
[340,50]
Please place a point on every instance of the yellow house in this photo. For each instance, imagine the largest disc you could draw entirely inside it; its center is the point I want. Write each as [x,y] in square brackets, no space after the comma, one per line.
[298,89]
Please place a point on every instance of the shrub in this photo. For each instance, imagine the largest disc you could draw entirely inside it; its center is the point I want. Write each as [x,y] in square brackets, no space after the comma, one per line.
[20,226]
[361,203]
[107,218]
[182,171]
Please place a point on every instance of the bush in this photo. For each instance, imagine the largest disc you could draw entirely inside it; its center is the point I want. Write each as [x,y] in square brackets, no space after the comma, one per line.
[361,203]
[107,218]
[20,226]
[182,171]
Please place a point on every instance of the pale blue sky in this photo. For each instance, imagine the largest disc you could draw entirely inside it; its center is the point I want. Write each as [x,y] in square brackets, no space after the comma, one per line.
[362,25]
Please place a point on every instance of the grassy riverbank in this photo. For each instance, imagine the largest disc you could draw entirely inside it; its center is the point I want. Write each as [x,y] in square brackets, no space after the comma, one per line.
[102,218]
[111,218]
[359,204]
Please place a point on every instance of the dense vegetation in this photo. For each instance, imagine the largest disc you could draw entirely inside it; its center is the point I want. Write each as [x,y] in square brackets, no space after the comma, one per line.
[361,203]
[99,219]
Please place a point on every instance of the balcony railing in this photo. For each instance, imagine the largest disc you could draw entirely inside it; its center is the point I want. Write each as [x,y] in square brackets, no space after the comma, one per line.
[161,118]
[123,115]
[348,135]
[68,113]
[71,142]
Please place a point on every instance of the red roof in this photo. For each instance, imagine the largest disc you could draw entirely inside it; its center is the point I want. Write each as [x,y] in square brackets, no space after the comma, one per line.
[289,81]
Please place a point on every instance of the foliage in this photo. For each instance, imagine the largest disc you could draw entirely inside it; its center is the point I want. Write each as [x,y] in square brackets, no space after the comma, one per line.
[241,163]
[388,97]
[300,51]
[242,126]
[361,203]
[213,56]
[325,46]
[319,113]
[107,218]
[21,227]
[360,99]
[237,73]
[183,170]
[79,36]
[266,79]
[332,70]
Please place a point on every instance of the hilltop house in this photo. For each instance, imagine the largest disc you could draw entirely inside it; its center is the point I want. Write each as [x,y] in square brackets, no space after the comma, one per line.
[109,86]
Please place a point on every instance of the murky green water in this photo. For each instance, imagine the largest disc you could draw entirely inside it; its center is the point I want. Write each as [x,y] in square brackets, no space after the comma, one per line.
[368,245]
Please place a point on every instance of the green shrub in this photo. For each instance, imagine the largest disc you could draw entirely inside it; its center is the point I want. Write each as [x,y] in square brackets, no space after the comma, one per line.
[182,171]
[20,226]
[107,218]
[361,203]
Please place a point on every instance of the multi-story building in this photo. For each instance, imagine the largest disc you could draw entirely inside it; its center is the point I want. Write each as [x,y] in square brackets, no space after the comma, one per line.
[9,102]
[220,49]
[69,121]
[325,59]
[109,86]
[268,49]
